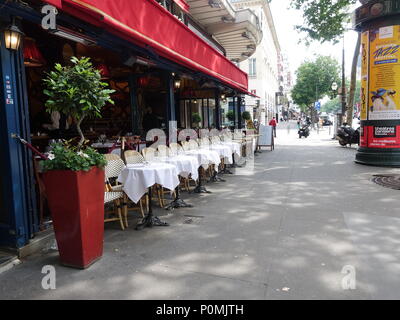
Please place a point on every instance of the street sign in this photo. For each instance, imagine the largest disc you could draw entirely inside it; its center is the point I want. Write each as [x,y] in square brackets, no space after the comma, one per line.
[318,106]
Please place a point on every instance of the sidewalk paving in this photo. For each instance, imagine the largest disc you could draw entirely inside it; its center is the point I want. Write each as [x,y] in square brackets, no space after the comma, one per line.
[284,230]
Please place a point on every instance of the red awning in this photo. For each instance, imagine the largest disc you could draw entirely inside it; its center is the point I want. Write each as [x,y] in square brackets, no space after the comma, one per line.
[56,3]
[251,94]
[146,23]
[182,3]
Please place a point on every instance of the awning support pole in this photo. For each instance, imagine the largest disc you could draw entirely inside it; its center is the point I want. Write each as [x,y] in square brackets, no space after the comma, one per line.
[134,103]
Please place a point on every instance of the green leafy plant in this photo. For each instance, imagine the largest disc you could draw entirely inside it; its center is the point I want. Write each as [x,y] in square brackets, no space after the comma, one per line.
[196,118]
[230,115]
[65,156]
[76,90]
[246,115]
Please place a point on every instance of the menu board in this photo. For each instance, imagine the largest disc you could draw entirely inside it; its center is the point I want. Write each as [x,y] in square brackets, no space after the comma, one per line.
[266,138]
[384,73]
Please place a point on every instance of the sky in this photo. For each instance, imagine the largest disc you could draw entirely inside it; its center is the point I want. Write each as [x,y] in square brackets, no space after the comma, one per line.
[285,20]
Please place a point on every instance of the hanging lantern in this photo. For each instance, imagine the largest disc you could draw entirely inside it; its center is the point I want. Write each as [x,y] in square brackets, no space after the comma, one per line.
[104,71]
[143,82]
[13,36]
[177,83]
[32,56]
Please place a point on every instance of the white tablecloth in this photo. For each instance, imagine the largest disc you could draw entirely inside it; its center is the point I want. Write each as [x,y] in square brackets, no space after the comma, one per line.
[224,151]
[184,164]
[137,178]
[206,157]
[235,146]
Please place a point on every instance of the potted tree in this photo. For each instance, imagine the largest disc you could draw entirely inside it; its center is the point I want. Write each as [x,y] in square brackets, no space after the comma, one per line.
[74,173]
[246,115]
[196,119]
[230,115]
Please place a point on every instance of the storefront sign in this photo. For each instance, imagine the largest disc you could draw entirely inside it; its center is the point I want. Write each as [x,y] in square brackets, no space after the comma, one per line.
[384,75]
[9,95]
[49,20]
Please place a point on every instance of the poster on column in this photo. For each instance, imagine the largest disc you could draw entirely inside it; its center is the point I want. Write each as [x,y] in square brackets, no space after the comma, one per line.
[364,74]
[384,75]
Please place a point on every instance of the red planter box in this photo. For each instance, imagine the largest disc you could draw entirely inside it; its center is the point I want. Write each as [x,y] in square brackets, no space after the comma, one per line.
[76,202]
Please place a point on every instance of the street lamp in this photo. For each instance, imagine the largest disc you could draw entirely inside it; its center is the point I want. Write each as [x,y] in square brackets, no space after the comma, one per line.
[343,94]
[13,36]
[177,83]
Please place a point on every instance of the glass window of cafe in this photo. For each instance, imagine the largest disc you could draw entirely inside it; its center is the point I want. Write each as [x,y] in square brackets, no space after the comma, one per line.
[188,107]
[211,111]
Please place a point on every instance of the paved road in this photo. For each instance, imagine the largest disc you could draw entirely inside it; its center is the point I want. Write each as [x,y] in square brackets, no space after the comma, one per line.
[283,230]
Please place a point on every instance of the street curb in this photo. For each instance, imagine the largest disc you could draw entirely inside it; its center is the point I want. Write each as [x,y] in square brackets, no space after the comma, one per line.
[8,265]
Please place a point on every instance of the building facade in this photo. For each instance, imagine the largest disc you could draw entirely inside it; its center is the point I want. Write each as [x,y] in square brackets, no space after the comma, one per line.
[264,67]
[164,56]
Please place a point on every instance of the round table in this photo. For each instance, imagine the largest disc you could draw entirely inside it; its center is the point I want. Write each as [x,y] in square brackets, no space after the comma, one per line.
[139,178]
[185,165]
[205,158]
[224,151]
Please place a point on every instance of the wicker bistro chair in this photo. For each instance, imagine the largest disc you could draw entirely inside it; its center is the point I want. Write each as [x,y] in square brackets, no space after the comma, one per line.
[163,151]
[114,194]
[185,145]
[193,144]
[175,148]
[118,197]
[205,142]
[215,140]
[114,167]
[133,157]
[149,153]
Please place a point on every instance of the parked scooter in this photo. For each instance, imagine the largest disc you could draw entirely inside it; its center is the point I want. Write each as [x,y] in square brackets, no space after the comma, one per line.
[304,131]
[347,135]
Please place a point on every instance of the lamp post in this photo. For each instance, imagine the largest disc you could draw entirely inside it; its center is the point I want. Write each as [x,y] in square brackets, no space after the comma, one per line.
[343,89]
[334,88]
[13,36]
[378,22]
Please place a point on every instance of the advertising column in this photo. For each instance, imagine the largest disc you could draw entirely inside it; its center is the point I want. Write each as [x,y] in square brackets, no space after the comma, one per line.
[380,89]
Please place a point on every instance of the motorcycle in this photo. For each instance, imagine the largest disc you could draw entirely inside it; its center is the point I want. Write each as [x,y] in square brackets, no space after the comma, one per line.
[304,131]
[348,136]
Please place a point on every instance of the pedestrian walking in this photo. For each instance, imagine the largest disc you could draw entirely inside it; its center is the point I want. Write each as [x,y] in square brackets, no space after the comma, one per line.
[273,124]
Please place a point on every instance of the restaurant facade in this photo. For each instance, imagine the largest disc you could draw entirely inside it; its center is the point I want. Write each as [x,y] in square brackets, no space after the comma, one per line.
[162,68]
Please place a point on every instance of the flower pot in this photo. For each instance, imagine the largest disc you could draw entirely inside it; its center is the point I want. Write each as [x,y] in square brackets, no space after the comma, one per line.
[76,202]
